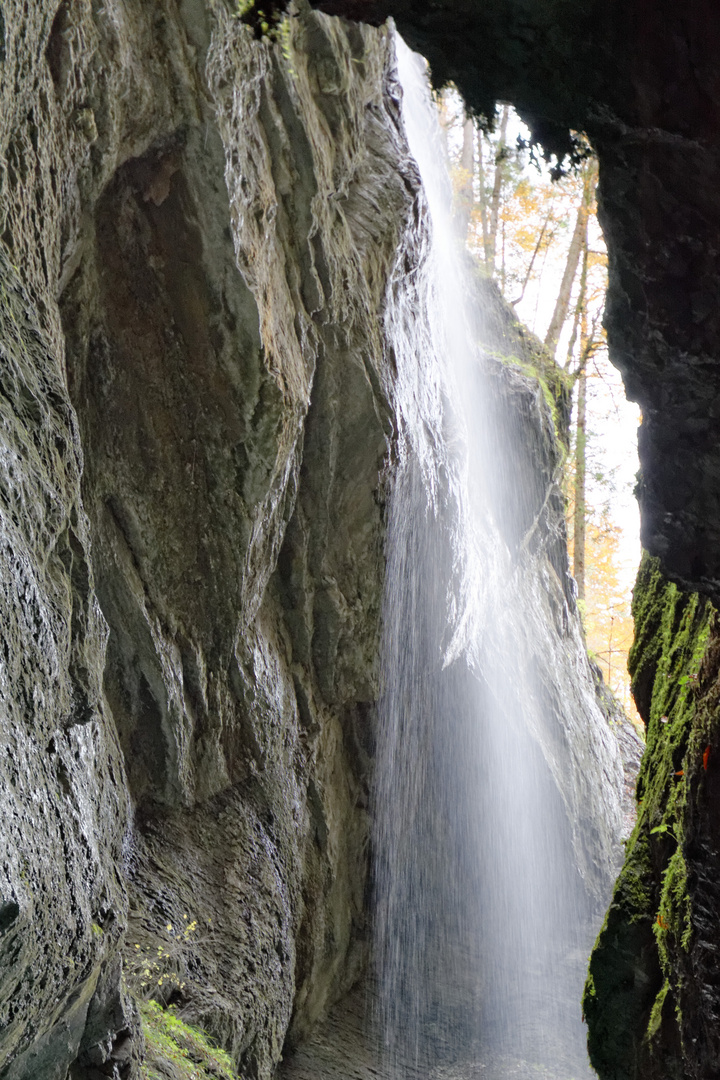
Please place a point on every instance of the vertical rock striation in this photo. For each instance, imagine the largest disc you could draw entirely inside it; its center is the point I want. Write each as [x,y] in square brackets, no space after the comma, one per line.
[204,226]
[64,800]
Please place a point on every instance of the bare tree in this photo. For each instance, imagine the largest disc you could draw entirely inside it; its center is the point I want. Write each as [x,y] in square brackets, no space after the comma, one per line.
[590,339]
[579,515]
[533,257]
[482,198]
[465,196]
[562,304]
[496,195]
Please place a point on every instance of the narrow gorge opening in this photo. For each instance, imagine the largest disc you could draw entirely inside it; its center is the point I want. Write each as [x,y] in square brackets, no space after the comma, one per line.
[304,769]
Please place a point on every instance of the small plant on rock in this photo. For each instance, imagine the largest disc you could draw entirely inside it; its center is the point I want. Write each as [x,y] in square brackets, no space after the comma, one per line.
[155,970]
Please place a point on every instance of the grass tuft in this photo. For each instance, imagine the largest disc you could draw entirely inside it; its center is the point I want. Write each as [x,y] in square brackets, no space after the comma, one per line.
[174,1050]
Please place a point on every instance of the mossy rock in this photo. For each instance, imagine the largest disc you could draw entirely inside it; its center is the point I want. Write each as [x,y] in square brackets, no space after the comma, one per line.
[175,1050]
[633,993]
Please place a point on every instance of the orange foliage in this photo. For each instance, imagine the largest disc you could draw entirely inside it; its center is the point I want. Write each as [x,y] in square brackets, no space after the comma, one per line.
[608,620]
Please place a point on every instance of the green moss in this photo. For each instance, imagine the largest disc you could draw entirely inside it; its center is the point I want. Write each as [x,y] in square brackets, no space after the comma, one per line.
[504,338]
[622,983]
[175,1049]
[265,17]
[637,958]
[674,916]
[671,631]
[657,1009]
[634,887]
[553,386]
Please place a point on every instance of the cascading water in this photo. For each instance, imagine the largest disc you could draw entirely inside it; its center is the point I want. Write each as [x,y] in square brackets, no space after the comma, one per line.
[494,766]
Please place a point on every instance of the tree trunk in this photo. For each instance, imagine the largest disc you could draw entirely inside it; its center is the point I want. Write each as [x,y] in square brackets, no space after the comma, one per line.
[562,304]
[495,198]
[483,201]
[579,516]
[580,311]
[465,196]
[444,119]
[502,259]
[581,428]
[536,249]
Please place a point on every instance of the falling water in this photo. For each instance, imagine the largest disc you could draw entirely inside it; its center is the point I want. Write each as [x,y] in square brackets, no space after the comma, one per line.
[495,769]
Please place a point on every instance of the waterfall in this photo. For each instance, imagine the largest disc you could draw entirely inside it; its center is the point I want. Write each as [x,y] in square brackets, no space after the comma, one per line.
[495,802]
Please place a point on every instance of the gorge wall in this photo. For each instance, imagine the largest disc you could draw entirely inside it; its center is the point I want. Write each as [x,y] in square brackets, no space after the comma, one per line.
[641,81]
[198,232]
[650,999]
[199,235]
[192,563]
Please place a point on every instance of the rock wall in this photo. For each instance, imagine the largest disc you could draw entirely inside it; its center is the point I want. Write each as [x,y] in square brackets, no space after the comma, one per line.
[651,1000]
[197,235]
[641,81]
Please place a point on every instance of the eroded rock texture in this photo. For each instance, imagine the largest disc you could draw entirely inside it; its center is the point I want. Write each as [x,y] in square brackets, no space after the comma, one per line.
[202,230]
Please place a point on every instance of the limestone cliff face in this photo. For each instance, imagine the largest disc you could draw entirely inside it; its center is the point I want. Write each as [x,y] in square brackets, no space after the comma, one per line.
[199,232]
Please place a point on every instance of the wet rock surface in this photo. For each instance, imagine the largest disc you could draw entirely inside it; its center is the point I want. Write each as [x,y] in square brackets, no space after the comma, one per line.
[649,968]
[194,431]
[346,1045]
[63,901]
[642,83]
[573,745]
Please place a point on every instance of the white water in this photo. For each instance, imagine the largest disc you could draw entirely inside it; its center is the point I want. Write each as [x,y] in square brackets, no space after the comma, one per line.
[495,795]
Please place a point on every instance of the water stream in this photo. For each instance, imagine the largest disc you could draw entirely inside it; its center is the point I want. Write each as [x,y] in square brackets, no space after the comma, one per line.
[493,761]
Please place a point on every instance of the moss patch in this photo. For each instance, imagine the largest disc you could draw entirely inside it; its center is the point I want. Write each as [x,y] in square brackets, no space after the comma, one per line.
[554,386]
[624,975]
[174,1050]
[671,631]
[635,969]
[504,338]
